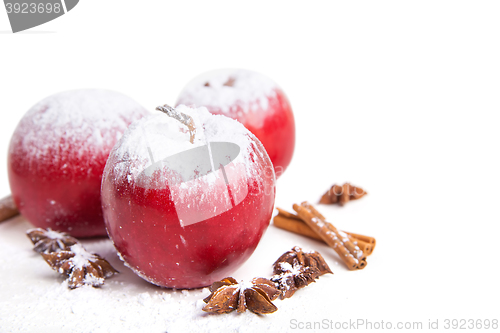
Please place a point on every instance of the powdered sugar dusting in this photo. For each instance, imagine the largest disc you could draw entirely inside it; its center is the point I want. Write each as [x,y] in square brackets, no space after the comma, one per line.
[158,136]
[82,256]
[78,120]
[230,91]
[92,280]
[53,234]
[344,236]
[289,269]
[244,284]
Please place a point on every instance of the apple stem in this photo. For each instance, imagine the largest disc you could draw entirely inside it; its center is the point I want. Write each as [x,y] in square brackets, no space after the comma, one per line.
[182,117]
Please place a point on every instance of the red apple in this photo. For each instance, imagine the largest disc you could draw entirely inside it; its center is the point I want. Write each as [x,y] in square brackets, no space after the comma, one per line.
[58,152]
[252,99]
[185,208]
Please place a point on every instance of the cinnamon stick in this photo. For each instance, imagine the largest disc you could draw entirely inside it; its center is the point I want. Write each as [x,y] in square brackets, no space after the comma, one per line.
[286,214]
[334,240]
[293,223]
[295,226]
[363,238]
[353,249]
[365,247]
[8,208]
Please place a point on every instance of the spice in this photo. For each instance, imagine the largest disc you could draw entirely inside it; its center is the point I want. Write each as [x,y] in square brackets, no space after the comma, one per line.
[349,252]
[293,223]
[296,269]
[49,240]
[229,295]
[67,256]
[293,270]
[342,194]
[8,208]
[80,266]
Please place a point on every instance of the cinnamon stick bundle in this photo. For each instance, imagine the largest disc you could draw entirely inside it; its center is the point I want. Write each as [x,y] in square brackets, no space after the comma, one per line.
[342,194]
[293,223]
[367,248]
[8,208]
[295,226]
[309,222]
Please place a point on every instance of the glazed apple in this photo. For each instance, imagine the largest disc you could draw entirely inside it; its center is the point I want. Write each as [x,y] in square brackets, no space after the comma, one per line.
[58,152]
[252,99]
[187,196]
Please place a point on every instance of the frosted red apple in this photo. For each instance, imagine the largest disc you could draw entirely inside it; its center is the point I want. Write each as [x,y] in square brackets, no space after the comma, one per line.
[58,152]
[252,99]
[182,214]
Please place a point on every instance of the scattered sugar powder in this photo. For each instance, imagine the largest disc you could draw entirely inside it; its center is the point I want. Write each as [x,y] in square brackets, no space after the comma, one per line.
[289,269]
[82,256]
[54,234]
[124,303]
[36,299]
[229,90]
[344,236]
[92,280]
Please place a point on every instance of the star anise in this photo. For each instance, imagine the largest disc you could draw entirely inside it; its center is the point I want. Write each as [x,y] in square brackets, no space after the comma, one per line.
[296,269]
[49,240]
[81,267]
[293,277]
[229,295]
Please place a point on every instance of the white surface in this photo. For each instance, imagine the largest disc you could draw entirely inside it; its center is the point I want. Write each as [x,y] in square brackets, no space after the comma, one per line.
[400,98]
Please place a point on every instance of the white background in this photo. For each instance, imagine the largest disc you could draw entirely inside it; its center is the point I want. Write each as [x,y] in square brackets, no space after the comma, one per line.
[401,98]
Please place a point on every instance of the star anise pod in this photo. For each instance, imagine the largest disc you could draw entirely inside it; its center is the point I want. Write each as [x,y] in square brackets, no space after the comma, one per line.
[293,277]
[81,267]
[229,295]
[296,269]
[49,240]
